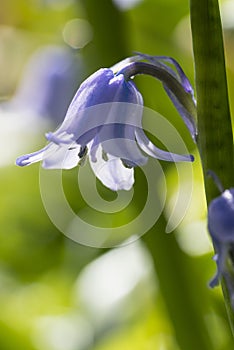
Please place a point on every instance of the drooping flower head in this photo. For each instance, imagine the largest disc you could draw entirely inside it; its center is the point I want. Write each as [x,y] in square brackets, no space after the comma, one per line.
[221,229]
[104,118]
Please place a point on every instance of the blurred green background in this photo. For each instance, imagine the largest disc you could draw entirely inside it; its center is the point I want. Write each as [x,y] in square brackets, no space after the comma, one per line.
[54,293]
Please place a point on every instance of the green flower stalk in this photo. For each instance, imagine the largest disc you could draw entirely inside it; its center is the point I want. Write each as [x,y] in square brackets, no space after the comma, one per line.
[215,139]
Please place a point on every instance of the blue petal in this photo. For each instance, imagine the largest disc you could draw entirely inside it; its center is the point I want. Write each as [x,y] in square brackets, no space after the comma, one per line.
[182,77]
[92,106]
[119,141]
[221,217]
[221,229]
[187,109]
[158,61]
[186,116]
[79,119]
[149,148]
[220,258]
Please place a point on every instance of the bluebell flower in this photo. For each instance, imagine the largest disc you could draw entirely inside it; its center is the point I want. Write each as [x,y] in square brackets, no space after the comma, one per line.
[221,229]
[104,122]
[48,83]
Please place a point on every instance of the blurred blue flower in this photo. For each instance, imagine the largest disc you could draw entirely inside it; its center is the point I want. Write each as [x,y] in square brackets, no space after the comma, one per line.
[104,121]
[48,83]
[221,229]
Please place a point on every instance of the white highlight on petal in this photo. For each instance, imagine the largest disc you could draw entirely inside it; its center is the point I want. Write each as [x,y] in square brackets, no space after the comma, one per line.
[61,157]
[60,137]
[228,196]
[112,173]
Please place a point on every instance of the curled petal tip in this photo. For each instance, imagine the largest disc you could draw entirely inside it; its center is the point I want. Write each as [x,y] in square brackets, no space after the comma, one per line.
[149,148]
[52,138]
[192,158]
[183,158]
[48,135]
[214,282]
[28,159]
[22,161]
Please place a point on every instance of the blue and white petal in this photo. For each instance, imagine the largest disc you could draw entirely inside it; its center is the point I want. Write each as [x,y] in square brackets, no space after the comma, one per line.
[31,158]
[149,148]
[112,173]
[53,156]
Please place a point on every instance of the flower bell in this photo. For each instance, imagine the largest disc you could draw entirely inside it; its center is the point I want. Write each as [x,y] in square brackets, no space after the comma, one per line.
[221,229]
[104,122]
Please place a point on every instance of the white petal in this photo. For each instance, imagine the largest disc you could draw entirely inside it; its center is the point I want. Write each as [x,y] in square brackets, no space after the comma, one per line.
[112,173]
[53,156]
[61,158]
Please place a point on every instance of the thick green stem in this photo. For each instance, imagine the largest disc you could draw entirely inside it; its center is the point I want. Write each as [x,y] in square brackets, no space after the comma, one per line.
[215,138]
[214,123]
